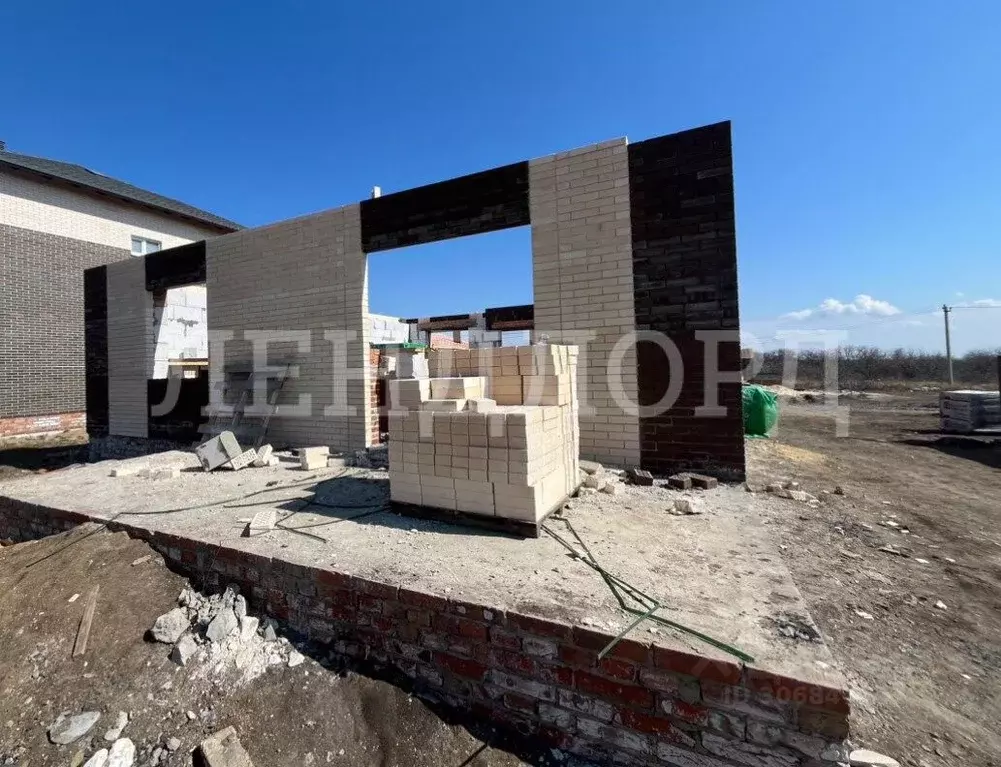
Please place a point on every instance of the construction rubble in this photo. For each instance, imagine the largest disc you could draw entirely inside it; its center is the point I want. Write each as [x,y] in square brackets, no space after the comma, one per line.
[217,632]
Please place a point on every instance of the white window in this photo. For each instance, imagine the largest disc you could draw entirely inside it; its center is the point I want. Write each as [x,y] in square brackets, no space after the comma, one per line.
[141,246]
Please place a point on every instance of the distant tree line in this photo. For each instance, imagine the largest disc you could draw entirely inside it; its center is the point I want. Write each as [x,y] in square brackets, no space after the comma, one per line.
[866,367]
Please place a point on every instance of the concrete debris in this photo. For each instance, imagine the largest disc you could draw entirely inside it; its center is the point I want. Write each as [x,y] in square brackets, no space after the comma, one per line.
[611,488]
[590,467]
[795,626]
[229,641]
[116,732]
[67,729]
[862,757]
[774,487]
[192,716]
[313,458]
[73,598]
[864,615]
[641,477]
[268,632]
[686,506]
[125,471]
[169,626]
[161,472]
[940,605]
[224,624]
[224,750]
[99,759]
[172,744]
[801,496]
[248,628]
[263,522]
[263,456]
[184,650]
[242,461]
[217,451]
[122,754]
[594,481]
[142,560]
[295,658]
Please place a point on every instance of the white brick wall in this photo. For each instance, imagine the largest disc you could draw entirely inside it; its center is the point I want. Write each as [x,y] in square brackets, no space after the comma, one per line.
[582,269]
[130,309]
[308,274]
[53,209]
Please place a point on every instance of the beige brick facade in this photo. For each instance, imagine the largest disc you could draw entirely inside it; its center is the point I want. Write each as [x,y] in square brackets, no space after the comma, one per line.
[583,285]
[55,210]
[307,279]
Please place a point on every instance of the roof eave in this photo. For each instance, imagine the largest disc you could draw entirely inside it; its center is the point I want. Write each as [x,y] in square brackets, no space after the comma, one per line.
[222,229]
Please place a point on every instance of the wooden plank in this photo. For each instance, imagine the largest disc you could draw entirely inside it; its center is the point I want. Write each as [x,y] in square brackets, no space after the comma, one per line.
[83,633]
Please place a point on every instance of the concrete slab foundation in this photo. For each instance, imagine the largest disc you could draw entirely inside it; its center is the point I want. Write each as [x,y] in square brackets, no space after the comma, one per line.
[508,629]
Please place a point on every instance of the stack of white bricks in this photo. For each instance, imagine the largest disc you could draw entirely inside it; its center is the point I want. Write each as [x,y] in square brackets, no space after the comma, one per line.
[513,456]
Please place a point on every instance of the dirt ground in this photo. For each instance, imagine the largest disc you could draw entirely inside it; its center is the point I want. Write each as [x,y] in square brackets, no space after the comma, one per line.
[926,682]
[298,716]
[26,455]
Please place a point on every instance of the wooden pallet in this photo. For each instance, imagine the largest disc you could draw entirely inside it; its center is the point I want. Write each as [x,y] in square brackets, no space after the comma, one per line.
[514,527]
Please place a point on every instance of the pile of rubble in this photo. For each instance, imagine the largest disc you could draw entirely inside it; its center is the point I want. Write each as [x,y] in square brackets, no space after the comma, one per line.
[218,632]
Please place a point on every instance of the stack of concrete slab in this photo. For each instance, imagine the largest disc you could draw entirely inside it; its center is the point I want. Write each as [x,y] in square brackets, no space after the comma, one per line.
[965,411]
[461,451]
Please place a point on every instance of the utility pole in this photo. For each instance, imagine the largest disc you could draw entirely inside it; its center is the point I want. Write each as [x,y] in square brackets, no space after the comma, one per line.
[948,342]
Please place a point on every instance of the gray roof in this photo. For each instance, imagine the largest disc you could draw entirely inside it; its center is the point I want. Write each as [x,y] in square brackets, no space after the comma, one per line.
[77,175]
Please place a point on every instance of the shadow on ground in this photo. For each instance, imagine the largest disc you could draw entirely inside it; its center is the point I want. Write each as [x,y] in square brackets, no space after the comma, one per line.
[358,500]
[43,454]
[985,451]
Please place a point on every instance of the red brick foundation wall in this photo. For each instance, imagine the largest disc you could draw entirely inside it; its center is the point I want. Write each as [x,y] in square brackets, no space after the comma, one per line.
[640,705]
[375,396]
[41,424]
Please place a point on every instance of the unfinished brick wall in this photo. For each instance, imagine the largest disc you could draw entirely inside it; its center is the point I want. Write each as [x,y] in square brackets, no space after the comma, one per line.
[376,395]
[309,276]
[130,348]
[582,270]
[643,704]
[685,281]
[625,239]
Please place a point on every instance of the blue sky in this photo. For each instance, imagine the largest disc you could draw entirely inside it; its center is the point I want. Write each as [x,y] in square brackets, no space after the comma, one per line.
[865,133]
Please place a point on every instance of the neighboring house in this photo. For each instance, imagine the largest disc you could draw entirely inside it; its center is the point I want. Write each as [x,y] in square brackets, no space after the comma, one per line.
[57,219]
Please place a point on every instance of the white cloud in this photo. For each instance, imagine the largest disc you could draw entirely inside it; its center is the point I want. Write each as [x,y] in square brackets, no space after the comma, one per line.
[802,314]
[989,303]
[861,305]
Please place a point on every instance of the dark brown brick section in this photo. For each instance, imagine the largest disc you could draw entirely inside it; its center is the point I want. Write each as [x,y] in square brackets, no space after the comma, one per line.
[95,311]
[176,267]
[42,320]
[475,204]
[685,281]
[187,397]
[503,666]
